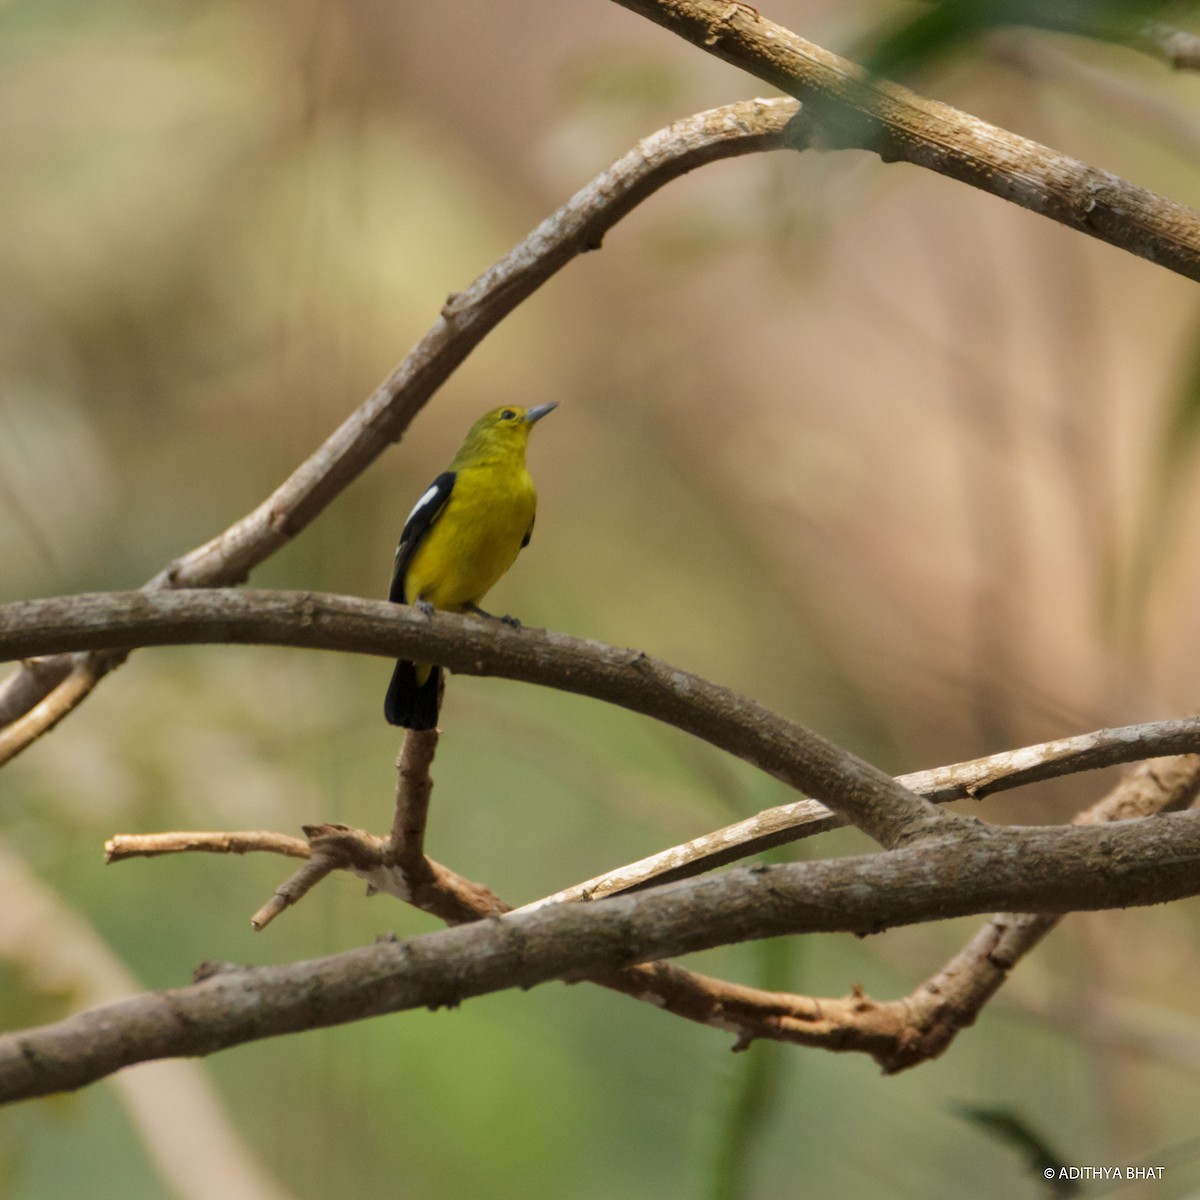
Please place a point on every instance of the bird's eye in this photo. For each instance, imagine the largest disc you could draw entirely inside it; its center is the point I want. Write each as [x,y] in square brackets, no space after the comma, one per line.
[508,415]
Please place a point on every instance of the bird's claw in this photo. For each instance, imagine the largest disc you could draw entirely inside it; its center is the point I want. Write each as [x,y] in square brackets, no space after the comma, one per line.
[511,622]
[424,608]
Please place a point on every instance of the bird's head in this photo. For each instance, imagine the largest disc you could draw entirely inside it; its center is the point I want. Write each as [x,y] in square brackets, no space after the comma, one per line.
[501,431]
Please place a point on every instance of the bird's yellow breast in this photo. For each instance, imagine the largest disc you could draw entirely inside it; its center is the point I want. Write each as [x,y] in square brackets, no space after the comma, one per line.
[475,538]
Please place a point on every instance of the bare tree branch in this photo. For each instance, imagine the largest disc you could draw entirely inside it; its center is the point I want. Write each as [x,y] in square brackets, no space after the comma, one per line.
[849,110]
[466,318]
[868,797]
[323,860]
[396,865]
[1053,869]
[966,780]
[151,845]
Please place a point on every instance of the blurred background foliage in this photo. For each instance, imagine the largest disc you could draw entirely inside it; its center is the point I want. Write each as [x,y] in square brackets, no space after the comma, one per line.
[910,464]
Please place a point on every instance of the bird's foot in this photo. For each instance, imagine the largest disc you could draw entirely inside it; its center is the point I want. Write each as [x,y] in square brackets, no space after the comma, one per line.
[511,622]
[423,607]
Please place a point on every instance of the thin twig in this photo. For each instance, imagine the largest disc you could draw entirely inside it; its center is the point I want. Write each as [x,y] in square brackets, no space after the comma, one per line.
[295,888]
[150,845]
[468,316]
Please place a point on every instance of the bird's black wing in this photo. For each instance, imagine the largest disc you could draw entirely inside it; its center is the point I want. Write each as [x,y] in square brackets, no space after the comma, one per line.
[528,535]
[420,521]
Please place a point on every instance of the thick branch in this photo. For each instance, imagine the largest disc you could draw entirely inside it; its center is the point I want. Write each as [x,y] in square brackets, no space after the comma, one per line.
[467,317]
[852,110]
[866,796]
[1037,870]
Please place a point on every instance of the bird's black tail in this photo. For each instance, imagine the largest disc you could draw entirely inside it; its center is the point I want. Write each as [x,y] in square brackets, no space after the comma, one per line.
[410,704]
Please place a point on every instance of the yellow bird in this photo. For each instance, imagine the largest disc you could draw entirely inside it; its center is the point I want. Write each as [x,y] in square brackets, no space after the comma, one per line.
[462,535]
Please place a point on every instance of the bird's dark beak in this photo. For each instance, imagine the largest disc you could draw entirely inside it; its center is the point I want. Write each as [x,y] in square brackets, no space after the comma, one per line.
[536,414]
